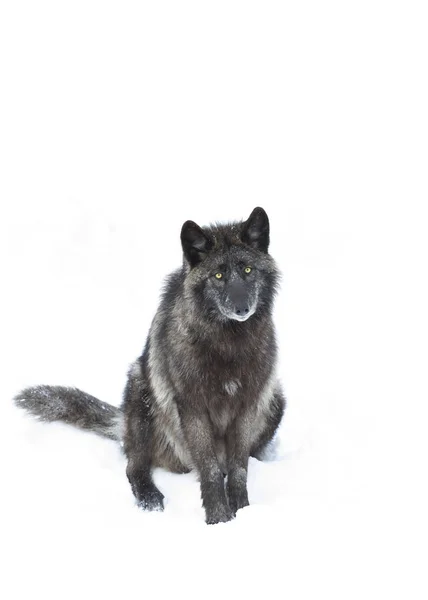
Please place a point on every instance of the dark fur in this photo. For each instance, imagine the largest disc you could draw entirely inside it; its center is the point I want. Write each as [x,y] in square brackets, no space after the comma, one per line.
[203,394]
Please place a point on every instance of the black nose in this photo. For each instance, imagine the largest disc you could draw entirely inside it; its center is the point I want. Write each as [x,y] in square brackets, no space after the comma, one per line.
[242,309]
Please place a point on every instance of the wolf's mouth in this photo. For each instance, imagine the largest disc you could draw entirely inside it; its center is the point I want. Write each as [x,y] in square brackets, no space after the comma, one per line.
[241,317]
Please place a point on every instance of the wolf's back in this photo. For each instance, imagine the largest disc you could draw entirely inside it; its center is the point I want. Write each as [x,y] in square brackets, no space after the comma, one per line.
[72,406]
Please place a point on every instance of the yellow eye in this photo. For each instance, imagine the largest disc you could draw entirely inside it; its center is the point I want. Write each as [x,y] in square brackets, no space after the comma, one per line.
[219,275]
[247,270]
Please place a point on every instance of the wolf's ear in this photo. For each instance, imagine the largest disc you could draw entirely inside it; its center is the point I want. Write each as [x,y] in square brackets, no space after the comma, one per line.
[196,244]
[255,230]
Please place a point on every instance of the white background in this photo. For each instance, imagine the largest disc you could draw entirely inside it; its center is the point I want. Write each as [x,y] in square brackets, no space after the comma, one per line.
[118,122]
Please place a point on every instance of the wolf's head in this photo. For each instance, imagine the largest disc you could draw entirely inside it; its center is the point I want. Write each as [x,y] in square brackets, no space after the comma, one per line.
[229,271]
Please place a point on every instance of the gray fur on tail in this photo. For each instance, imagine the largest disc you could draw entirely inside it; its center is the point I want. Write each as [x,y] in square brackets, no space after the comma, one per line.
[72,406]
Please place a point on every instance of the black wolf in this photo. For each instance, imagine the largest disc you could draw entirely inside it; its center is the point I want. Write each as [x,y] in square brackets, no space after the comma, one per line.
[204,394]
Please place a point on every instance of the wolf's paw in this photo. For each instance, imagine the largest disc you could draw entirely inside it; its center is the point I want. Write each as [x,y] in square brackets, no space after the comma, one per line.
[218,514]
[238,498]
[152,500]
[148,496]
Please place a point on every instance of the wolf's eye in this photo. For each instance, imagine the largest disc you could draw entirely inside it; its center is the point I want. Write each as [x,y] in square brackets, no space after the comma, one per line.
[219,275]
[247,270]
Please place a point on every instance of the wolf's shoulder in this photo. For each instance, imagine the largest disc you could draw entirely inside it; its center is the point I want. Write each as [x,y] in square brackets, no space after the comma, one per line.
[172,286]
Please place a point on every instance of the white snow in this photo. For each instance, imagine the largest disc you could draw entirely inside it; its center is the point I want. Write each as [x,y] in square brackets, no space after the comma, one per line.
[118,122]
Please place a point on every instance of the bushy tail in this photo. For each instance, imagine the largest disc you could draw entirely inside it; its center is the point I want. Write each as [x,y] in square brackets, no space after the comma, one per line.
[70,405]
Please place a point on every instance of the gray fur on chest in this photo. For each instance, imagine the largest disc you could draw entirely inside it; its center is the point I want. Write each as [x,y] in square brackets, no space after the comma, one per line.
[231,387]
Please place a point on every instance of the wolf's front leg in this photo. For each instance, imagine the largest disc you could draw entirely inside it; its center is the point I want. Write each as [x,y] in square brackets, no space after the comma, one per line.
[238,444]
[200,441]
